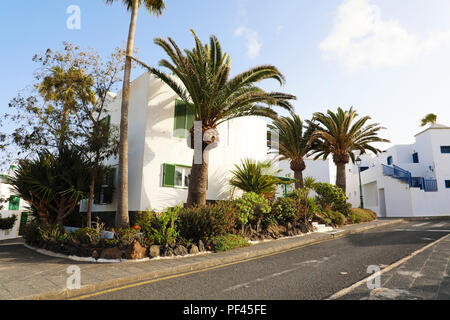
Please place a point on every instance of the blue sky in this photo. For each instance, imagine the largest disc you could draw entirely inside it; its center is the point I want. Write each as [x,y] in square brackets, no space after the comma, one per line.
[389,59]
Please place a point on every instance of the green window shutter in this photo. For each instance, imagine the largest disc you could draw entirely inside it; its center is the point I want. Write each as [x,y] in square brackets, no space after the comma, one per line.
[169,175]
[180,119]
[14,203]
[190,118]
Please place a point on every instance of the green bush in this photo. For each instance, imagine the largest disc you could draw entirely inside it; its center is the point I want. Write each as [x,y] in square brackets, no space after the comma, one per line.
[253,208]
[359,215]
[159,228]
[285,210]
[335,217]
[36,233]
[87,236]
[229,242]
[206,222]
[7,223]
[332,197]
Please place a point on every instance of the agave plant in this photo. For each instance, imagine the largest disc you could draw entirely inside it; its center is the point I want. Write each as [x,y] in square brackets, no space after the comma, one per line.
[255,176]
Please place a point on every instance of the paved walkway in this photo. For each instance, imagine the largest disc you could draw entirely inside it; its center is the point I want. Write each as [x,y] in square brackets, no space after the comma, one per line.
[26,274]
[425,276]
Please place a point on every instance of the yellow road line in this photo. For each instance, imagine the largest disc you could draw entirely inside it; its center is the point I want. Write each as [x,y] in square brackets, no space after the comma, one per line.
[192,272]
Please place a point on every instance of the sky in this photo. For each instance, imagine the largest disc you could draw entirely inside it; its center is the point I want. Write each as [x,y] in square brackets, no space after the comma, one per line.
[389,59]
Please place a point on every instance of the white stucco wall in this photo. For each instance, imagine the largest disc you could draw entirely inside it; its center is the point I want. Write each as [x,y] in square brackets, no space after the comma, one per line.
[11,233]
[400,199]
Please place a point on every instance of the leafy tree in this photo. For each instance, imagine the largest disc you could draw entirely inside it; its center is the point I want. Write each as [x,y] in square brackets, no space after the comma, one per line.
[294,143]
[52,184]
[214,98]
[428,119]
[155,7]
[255,176]
[68,108]
[340,133]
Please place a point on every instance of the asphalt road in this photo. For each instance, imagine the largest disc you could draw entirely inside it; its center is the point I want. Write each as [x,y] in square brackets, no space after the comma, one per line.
[313,272]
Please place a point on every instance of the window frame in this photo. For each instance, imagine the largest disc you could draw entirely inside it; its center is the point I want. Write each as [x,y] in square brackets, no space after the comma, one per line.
[445,149]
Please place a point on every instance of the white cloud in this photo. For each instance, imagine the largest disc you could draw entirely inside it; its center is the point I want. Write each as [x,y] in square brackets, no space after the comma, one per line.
[360,37]
[254,43]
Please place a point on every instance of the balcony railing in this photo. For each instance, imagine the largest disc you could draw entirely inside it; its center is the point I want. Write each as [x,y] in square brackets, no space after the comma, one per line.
[428,185]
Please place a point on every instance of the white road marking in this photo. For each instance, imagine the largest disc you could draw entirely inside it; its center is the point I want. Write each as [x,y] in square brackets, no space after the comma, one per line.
[277,274]
[420,224]
[345,291]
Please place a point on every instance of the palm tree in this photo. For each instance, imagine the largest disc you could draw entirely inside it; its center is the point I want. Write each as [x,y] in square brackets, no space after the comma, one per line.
[255,176]
[428,119]
[155,7]
[294,143]
[340,134]
[214,98]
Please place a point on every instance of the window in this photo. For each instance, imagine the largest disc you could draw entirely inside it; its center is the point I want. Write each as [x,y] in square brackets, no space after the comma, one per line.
[14,203]
[447,184]
[183,119]
[364,169]
[390,160]
[415,157]
[104,188]
[176,176]
[445,149]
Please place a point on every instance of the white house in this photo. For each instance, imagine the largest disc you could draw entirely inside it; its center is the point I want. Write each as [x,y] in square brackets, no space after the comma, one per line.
[406,180]
[11,205]
[159,157]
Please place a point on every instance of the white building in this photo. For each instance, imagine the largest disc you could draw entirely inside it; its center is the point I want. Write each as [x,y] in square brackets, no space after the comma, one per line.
[159,157]
[406,180]
[11,205]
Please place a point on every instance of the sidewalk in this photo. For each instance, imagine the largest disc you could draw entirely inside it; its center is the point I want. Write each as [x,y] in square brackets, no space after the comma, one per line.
[26,274]
[426,276]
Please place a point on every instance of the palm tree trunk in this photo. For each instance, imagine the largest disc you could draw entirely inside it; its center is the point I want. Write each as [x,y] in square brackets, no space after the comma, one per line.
[122,216]
[91,198]
[198,181]
[340,176]
[298,175]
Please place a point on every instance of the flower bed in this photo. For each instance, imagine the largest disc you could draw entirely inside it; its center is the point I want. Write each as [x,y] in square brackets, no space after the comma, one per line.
[181,231]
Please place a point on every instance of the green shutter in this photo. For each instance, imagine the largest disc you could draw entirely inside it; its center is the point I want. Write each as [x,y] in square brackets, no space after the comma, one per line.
[23,222]
[169,175]
[190,118]
[180,119]
[14,203]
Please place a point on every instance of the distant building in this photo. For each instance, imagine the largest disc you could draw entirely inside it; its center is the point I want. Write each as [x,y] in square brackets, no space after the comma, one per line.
[406,180]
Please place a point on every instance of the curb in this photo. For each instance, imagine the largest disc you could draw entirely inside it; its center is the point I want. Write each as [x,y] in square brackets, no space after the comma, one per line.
[218,260]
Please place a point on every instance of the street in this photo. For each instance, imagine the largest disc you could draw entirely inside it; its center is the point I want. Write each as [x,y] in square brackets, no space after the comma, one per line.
[313,272]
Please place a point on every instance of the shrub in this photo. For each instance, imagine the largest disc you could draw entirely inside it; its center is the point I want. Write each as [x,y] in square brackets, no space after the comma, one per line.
[335,217]
[206,222]
[159,228]
[7,223]
[253,208]
[284,210]
[36,233]
[359,215]
[229,242]
[87,236]
[332,197]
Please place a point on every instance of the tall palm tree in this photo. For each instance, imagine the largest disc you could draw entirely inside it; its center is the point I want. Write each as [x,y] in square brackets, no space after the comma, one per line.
[294,143]
[428,119]
[155,7]
[340,134]
[214,98]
